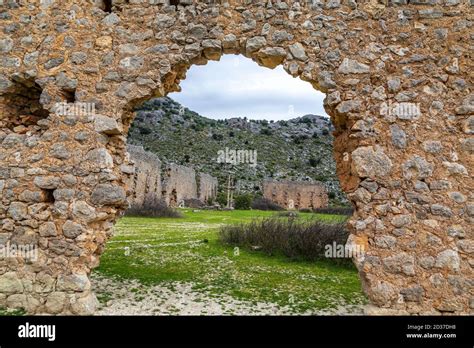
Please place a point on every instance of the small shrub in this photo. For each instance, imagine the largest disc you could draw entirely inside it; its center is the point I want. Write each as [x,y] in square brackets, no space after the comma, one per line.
[222,199]
[265,204]
[305,240]
[266,131]
[313,161]
[153,207]
[243,202]
[217,137]
[194,203]
[305,210]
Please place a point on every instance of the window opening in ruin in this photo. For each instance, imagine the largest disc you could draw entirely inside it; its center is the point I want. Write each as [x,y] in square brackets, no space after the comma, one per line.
[189,128]
[48,196]
[238,144]
[69,95]
[106,6]
[22,109]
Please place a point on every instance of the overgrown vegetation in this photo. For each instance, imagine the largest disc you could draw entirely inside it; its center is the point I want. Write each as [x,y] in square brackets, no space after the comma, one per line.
[305,240]
[335,211]
[261,203]
[4,312]
[243,202]
[153,207]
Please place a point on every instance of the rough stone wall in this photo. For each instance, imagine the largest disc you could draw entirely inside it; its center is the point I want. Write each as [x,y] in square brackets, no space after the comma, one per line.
[296,195]
[409,174]
[207,187]
[179,184]
[148,180]
[145,183]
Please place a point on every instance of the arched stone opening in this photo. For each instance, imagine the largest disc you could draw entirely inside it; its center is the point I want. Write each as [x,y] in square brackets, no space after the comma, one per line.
[407,172]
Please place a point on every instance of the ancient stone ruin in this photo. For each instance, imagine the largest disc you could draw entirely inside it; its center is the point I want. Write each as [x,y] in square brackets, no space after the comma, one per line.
[144,180]
[296,195]
[174,184]
[398,79]
[207,187]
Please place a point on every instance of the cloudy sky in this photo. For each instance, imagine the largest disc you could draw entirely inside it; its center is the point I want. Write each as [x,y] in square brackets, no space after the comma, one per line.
[238,87]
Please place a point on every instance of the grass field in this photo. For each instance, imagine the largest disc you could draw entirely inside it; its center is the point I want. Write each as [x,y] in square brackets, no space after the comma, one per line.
[159,256]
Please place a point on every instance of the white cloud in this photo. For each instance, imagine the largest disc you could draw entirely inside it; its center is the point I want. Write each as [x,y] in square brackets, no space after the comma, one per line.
[238,87]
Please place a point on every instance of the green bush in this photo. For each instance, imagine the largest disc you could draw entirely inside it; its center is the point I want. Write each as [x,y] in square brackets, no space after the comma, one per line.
[222,199]
[266,131]
[243,202]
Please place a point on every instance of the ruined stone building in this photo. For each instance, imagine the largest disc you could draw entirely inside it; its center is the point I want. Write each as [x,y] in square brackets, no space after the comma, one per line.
[172,183]
[398,79]
[145,183]
[296,194]
[179,184]
[207,187]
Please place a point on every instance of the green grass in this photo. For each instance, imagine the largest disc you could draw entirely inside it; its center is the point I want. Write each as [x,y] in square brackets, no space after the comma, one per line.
[163,250]
[11,312]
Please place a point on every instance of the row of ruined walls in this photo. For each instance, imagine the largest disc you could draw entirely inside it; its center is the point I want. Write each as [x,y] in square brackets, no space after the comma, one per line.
[149,181]
[296,195]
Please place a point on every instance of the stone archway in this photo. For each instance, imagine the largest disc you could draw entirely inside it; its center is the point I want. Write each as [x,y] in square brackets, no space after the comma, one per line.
[398,80]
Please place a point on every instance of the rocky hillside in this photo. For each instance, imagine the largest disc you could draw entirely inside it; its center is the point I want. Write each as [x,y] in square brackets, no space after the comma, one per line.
[297,149]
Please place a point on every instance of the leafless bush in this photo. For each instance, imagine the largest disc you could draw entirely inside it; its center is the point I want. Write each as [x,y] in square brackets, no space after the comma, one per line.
[265,204]
[298,240]
[153,207]
[335,210]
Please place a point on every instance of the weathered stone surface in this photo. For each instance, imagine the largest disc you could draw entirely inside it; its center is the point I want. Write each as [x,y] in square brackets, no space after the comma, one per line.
[72,229]
[439,209]
[83,211]
[399,137]
[371,162]
[400,263]
[85,305]
[10,283]
[48,229]
[47,182]
[18,211]
[151,183]
[106,125]
[101,157]
[255,43]
[448,259]
[417,168]
[401,220]
[73,282]
[298,51]
[350,66]
[413,294]
[271,57]
[55,302]
[106,194]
